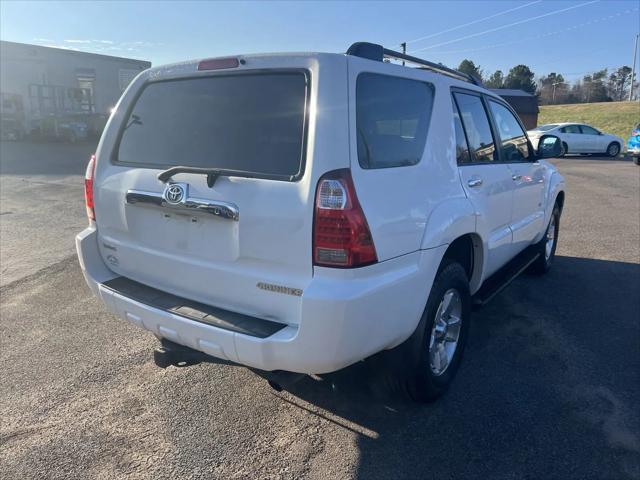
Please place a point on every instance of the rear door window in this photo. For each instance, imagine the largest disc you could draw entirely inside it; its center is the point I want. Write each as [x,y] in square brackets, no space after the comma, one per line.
[392,120]
[252,123]
[571,129]
[587,130]
[462,149]
[513,140]
[476,124]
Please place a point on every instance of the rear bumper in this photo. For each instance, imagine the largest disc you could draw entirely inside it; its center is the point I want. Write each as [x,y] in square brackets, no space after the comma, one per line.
[346,315]
[634,151]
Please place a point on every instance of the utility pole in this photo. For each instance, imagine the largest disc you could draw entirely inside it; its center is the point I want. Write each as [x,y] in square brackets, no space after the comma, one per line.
[633,71]
[404,50]
[553,99]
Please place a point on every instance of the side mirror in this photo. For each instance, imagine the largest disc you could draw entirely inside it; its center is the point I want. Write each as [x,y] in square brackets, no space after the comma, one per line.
[549,146]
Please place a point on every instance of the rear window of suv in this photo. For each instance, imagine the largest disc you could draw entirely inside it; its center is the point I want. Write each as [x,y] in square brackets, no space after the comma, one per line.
[253,123]
[392,119]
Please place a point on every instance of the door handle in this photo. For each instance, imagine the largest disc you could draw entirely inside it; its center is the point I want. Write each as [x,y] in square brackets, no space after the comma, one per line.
[515,177]
[474,182]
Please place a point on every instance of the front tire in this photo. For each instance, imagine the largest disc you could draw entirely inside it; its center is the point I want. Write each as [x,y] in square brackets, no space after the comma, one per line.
[636,160]
[432,355]
[547,245]
[613,149]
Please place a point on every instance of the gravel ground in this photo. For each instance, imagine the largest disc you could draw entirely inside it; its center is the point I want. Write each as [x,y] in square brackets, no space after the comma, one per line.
[549,387]
[42,206]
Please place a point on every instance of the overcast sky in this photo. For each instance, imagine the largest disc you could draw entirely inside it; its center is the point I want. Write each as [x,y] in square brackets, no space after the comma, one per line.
[570,37]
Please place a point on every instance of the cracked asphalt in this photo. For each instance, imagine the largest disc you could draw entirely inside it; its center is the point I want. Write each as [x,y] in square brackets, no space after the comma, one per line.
[549,387]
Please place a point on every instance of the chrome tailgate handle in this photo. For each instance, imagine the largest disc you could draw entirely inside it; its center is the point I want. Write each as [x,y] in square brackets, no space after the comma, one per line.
[217,208]
[214,207]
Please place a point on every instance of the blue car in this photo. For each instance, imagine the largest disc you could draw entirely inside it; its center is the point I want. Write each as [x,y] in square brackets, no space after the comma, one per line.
[633,145]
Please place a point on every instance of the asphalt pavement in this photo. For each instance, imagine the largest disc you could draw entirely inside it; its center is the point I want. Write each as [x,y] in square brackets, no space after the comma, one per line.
[549,387]
[41,205]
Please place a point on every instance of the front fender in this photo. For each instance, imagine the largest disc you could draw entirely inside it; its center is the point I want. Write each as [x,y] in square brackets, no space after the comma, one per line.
[448,221]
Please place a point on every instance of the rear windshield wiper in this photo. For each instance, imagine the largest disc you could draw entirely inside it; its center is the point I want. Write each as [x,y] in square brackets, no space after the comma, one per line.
[211,173]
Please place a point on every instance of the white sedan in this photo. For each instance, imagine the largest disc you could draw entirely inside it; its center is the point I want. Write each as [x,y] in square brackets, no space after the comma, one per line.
[579,138]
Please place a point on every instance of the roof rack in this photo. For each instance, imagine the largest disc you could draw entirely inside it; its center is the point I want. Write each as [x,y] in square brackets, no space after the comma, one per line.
[373,51]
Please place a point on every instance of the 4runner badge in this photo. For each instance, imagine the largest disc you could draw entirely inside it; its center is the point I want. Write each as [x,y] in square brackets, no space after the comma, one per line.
[174,193]
[279,289]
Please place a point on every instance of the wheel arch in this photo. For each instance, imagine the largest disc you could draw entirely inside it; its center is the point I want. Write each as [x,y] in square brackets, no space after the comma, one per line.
[614,142]
[560,200]
[447,221]
[468,251]
[453,223]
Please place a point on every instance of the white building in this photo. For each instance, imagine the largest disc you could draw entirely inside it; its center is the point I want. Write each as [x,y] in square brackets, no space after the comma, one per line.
[36,81]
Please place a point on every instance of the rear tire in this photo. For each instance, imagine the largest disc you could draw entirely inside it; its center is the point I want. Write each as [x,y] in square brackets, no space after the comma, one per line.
[636,160]
[547,245]
[425,365]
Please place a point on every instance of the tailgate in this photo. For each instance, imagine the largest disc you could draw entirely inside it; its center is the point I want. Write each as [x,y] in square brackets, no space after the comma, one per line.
[243,244]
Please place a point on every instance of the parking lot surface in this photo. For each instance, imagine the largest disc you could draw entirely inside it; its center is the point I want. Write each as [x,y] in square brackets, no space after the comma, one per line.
[549,387]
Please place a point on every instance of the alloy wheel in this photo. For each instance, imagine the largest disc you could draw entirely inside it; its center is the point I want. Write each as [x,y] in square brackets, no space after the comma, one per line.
[445,332]
[551,238]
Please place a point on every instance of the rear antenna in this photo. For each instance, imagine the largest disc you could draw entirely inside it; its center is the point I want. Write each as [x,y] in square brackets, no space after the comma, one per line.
[404,50]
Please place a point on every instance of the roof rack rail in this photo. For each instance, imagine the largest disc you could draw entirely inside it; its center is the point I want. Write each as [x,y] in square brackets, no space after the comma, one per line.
[373,51]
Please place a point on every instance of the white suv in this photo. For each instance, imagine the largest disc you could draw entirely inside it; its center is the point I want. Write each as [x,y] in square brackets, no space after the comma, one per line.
[302,212]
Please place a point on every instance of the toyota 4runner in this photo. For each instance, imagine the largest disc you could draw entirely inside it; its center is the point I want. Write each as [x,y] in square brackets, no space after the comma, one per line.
[302,212]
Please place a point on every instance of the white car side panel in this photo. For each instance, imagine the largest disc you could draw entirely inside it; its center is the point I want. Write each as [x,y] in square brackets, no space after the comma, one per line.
[398,201]
[605,140]
[492,201]
[449,220]
[528,202]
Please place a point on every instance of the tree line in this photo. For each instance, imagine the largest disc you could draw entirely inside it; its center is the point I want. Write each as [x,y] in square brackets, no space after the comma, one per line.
[600,86]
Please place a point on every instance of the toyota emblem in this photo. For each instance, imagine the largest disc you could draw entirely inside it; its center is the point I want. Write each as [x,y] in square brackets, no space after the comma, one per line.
[174,193]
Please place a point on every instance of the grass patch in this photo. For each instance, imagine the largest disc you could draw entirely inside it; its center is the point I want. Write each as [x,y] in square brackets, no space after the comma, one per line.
[617,118]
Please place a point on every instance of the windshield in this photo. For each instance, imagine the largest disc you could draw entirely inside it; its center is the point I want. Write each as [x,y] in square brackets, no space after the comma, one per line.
[544,128]
[251,123]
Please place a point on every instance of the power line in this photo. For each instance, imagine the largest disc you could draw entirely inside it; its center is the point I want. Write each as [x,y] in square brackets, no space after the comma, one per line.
[539,36]
[473,23]
[502,27]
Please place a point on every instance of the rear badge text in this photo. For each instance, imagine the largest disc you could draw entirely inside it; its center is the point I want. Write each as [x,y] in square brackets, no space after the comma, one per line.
[296,292]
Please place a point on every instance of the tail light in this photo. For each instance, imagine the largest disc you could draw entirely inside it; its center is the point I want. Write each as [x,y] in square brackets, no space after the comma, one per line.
[88,187]
[341,235]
